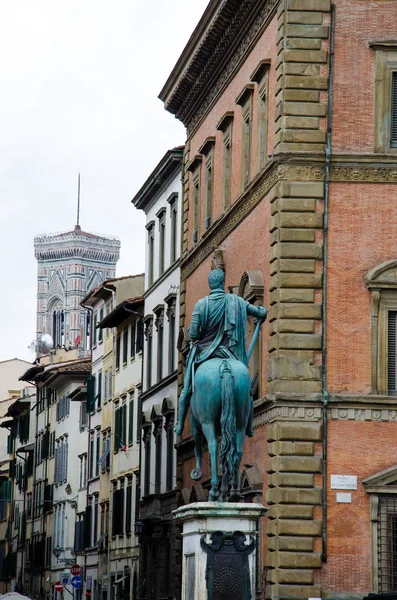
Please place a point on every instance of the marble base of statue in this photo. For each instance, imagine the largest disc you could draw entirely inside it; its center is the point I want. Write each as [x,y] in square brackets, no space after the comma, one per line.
[220,542]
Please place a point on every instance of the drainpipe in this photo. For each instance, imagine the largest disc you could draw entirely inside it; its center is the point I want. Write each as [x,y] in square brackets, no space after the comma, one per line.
[324,290]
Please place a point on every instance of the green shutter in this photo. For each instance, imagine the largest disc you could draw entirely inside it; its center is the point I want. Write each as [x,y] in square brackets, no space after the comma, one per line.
[12,468]
[10,443]
[95,330]
[131,422]
[116,433]
[90,393]
[123,432]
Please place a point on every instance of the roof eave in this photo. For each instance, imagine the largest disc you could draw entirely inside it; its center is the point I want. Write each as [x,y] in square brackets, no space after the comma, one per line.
[168,165]
[189,49]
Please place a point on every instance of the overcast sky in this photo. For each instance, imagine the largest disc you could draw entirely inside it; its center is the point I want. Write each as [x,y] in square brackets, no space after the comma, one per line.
[79,86]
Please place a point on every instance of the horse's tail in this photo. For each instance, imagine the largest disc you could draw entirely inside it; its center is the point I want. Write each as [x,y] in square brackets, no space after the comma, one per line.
[228,420]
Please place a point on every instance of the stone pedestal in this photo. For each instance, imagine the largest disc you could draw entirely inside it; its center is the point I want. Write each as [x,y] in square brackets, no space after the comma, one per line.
[231,558]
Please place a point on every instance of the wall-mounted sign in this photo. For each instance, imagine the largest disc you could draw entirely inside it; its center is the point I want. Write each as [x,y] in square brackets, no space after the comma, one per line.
[344,497]
[343,482]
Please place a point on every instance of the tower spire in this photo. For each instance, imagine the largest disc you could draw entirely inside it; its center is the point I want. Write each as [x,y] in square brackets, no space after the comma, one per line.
[78,203]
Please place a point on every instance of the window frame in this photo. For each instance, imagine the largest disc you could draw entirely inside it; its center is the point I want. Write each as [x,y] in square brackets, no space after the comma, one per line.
[161,214]
[382,284]
[385,66]
[245,101]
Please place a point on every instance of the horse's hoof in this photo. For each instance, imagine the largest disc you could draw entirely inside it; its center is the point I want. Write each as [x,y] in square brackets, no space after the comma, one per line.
[178,429]
[196,474]
[214,495]
[235,496]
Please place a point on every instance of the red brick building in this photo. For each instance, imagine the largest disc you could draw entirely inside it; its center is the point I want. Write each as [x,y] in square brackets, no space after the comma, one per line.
[290,170]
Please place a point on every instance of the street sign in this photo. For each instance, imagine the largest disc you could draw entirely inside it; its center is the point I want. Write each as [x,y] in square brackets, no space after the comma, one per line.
[77,581]
[75,570]
[58,586]
[65,578]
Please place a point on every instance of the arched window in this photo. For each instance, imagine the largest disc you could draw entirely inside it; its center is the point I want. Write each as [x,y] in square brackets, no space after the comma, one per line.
[382,283]
[56,325]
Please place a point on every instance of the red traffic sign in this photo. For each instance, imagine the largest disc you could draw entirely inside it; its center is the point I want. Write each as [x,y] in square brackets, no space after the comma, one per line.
[75,570]
[58,586]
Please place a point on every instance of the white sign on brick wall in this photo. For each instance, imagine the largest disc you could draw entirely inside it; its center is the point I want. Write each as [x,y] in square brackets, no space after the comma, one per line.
[343,482]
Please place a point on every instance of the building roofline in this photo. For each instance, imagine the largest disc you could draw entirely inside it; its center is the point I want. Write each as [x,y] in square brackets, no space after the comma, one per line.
[168,165]
[223,37]
[189,49]
[120,313]
[96,292]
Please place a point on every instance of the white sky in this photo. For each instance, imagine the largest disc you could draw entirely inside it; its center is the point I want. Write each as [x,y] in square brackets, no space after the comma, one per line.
[79,86]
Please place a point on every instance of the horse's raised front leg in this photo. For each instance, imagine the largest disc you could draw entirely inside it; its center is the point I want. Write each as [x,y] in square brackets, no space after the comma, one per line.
[209,432]
[198,449]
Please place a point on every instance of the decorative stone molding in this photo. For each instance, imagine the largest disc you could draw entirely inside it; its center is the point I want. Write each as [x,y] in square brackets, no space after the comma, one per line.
[363,414]
[289,413]
[314,413]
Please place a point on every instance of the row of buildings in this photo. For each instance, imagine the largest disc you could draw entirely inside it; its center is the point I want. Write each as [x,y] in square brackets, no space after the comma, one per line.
[287,181]
[88,474]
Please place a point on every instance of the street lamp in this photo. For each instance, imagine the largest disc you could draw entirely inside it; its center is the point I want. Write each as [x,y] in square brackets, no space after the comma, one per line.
[139,528]
[57,552]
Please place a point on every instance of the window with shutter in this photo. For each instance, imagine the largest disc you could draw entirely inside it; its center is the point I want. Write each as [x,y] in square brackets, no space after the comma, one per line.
[139,336]
[393,136]
[10,443]
[95,331]
[128,509]
[90,394]
[99,391]
[116,433]
[100,332]
[125,346]
[45,445]
[132,340]
[123,428]
[87,525]
[118,348]
[391,347]
[131,422]
[118,512]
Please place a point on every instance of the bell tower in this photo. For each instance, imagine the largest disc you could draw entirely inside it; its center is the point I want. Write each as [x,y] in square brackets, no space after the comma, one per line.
[70,264]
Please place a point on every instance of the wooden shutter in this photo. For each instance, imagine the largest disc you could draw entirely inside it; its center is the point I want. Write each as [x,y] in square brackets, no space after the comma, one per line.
[10,443]
[391,347]
[87,526]
[45,445]
[90,393]
[128,502]
[118,512]
[393,133]
[123,432]
[131,422]
[116,439]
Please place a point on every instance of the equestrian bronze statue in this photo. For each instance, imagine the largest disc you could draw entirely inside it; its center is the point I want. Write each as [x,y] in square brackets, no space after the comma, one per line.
[217,383]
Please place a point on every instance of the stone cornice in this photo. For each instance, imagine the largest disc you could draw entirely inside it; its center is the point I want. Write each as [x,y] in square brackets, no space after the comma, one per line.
[211,59]
[346,168]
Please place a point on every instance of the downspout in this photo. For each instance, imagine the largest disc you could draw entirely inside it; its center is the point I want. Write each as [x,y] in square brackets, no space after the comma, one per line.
[324,289]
